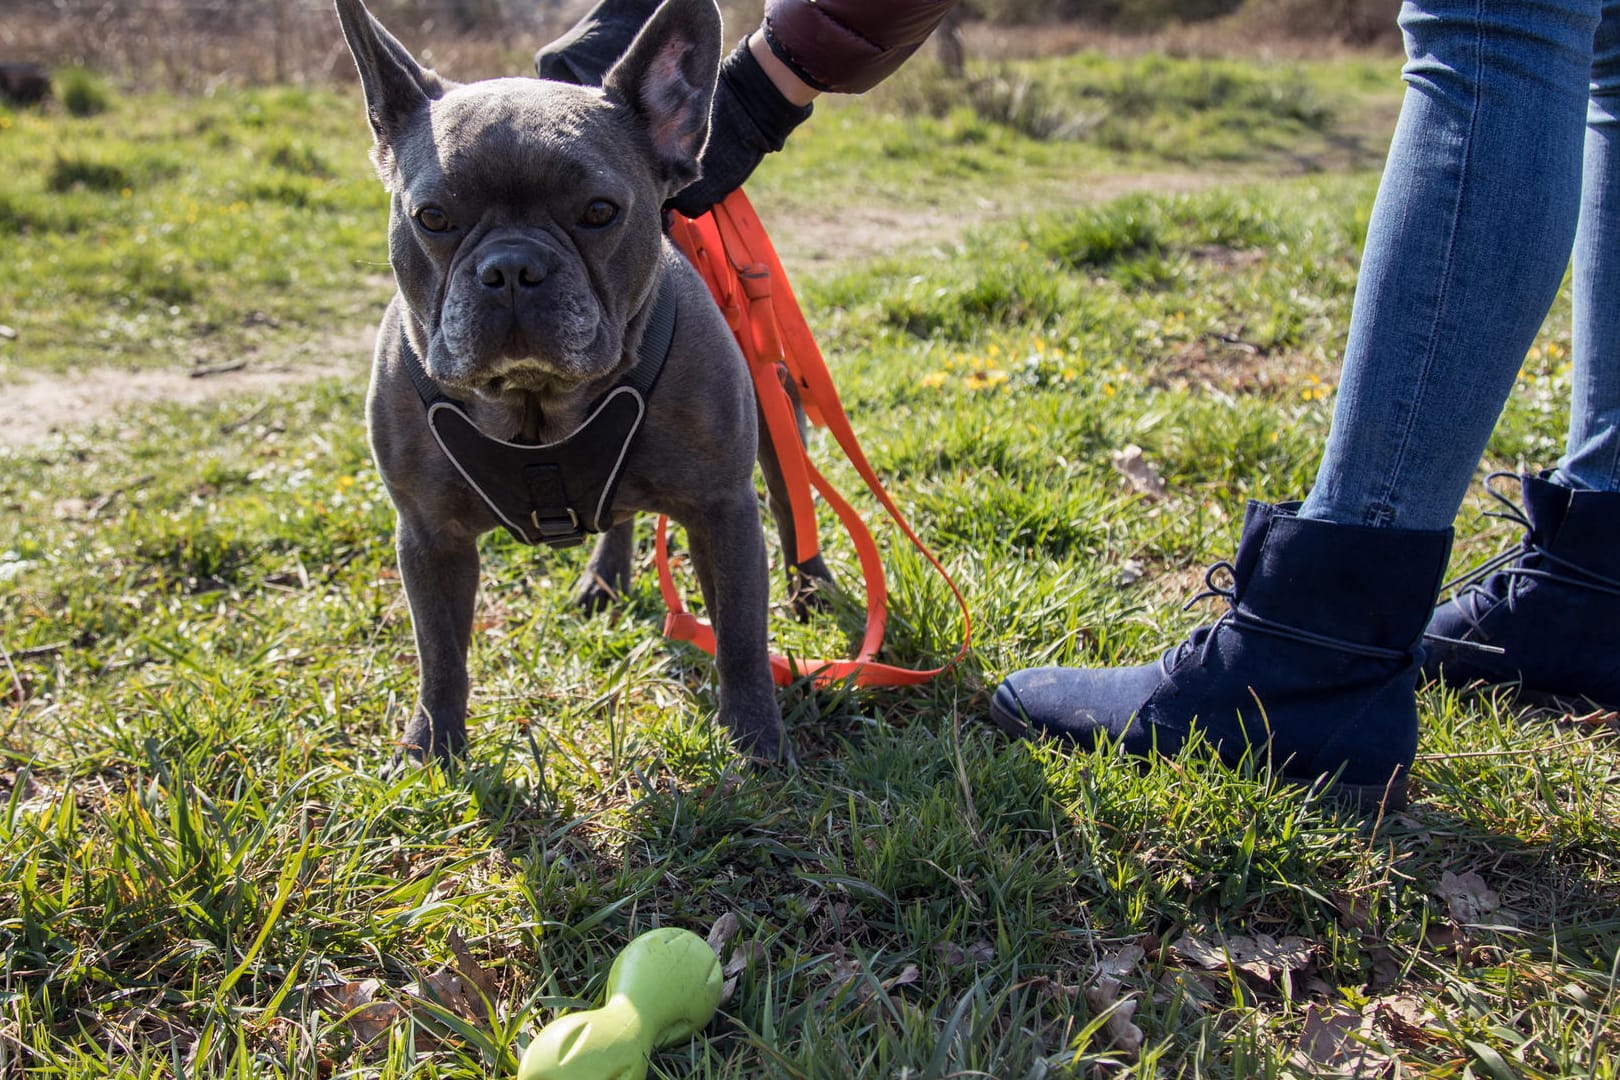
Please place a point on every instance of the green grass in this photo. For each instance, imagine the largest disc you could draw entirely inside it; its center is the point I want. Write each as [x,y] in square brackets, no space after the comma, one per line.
[164,232]
[207,657]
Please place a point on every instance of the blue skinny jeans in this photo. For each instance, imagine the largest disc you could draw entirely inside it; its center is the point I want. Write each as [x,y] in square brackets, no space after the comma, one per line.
[1506,159]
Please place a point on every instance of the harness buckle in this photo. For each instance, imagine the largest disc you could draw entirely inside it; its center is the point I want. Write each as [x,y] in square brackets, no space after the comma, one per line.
[557,530]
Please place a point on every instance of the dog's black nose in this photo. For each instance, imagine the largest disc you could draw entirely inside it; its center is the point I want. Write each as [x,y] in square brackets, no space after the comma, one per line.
[508,266]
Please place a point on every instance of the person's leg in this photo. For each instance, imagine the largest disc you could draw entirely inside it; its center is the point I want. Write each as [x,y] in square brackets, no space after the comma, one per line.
[1549,611]
[1317,658]
[1592,458]
[1468,242]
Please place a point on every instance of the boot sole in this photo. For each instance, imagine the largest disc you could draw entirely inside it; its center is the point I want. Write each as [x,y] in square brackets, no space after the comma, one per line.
[1011,725]
[1366,798]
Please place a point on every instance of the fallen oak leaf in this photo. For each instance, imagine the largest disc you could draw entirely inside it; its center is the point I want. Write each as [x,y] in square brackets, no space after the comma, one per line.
[1334,1041]
[469,967]
[1468,899]
[1123,962]
[449,990]
[1260,955]
[1104,998]
[720,934]
[908,975]
[366,1016]
[1139,473]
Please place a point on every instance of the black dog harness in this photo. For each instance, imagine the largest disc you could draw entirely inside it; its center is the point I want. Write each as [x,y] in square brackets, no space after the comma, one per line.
[557,492]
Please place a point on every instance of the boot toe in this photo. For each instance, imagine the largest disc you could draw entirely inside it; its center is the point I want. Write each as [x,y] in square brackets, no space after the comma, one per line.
[1074,704]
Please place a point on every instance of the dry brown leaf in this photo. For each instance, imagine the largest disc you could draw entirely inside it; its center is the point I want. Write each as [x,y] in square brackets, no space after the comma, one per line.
[1123,962]
[1404,1017]
[1468,899]
[720,934]
[1261,955]
[908,975]
[469,967]
[1048,987]
[1387,968]
[1200,952]
[1448,938]
[744,954]
[1104,997]
[1354,909]
[367,1017]
[1334,1042]
[953,955]
[448,989]
[844,967]
[447,887]
[1138,472]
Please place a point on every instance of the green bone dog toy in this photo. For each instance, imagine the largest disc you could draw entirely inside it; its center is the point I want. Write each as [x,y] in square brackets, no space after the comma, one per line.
[664,987]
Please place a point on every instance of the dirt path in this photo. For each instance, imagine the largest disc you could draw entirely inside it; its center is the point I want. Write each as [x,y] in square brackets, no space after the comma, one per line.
[811,241]
[36,406]
[819,239]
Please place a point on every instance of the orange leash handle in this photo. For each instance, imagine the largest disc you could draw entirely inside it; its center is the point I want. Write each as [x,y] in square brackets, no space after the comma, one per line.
[731,250]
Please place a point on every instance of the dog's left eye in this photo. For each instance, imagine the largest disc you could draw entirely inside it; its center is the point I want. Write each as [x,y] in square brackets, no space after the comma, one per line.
[598,212]
[433,219]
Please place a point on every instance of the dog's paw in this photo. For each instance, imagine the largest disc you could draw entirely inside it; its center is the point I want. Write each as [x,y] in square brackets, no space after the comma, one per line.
[594,594]
[808,585]
[762,745]
[424,741]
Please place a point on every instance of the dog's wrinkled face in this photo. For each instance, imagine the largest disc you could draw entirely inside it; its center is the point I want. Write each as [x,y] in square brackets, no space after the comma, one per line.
[525,227]
[507,219]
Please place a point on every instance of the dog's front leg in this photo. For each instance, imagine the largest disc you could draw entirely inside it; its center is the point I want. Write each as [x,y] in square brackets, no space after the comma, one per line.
[728,554]
[439,569]
[607,574]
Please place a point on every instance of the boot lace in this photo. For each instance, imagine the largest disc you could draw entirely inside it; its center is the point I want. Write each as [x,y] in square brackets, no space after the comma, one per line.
[1220,581]
[1473,591]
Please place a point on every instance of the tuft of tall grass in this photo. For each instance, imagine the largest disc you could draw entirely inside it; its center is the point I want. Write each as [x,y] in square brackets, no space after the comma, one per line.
[82,92]
[68,173]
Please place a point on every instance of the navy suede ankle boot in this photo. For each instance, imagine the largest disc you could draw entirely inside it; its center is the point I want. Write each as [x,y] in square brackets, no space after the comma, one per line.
[1545,615]
[1313,666]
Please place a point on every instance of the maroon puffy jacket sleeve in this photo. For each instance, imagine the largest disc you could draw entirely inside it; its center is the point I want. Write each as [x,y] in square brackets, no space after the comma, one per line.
[848,46]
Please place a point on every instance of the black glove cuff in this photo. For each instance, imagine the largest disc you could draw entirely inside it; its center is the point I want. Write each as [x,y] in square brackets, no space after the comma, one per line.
[746,83]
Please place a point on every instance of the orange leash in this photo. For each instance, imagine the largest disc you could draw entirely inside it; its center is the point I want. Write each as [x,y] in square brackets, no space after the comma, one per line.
[730,248]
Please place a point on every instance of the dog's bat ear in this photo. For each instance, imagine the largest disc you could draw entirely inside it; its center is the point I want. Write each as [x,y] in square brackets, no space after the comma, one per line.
[666,78]
[397,87]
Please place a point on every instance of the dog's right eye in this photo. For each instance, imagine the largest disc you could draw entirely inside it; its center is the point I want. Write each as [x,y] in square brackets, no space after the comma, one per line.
[599,212]
[433,220]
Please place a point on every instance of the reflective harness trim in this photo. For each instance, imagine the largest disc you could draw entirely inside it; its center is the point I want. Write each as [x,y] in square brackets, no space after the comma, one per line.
[554,493]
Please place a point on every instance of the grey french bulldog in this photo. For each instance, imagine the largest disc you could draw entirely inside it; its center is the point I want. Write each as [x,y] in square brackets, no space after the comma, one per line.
[540,306]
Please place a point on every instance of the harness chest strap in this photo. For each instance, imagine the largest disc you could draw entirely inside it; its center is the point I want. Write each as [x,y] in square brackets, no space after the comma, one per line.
[554,493]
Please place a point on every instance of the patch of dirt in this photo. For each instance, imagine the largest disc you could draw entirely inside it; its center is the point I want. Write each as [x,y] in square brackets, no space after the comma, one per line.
[38,405]
[817,238]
